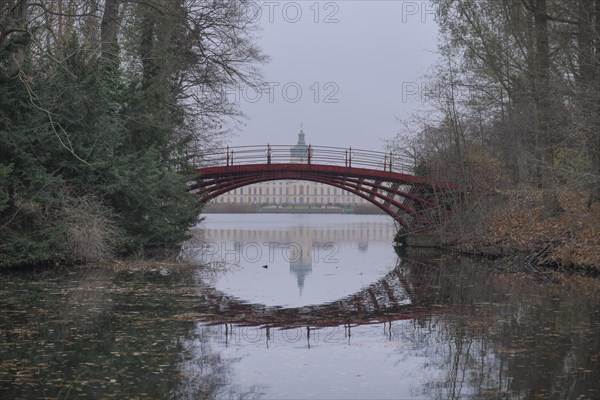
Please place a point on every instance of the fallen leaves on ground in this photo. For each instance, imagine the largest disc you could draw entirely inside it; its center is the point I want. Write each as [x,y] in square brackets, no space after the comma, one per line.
[571,238]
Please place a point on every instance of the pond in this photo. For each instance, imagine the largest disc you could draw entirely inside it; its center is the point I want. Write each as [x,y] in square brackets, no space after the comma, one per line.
[299,306]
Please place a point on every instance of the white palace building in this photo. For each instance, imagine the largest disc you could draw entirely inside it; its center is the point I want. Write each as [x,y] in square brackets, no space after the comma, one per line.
[288,193]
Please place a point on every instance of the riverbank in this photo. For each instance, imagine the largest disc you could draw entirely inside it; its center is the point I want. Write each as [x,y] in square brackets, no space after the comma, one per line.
[515,226]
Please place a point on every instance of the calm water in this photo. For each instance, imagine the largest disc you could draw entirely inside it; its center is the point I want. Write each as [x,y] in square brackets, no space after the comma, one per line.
[299,306]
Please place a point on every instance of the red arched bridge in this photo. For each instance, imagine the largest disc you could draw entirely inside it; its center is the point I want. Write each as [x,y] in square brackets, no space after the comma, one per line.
[384,179]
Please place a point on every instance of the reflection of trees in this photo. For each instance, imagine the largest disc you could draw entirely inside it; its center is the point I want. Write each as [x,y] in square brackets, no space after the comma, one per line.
[450,340]
[509,337]
[48,326]
[95,334]
[548,342]
[207,374]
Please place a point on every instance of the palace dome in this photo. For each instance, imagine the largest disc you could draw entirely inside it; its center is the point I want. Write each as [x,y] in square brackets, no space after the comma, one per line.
[300,150]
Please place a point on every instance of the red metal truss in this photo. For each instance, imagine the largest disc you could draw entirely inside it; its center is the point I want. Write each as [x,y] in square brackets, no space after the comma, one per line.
[414,202]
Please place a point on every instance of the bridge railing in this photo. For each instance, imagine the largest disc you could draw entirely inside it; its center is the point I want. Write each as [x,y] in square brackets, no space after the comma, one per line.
[323,155]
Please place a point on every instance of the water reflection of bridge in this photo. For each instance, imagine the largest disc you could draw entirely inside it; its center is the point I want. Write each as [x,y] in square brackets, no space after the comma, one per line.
[408,291]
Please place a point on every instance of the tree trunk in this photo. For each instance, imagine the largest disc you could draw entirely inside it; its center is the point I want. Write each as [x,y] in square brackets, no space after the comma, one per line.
[147,50]
[12,20]
[594,148]
[109,28]
[541,85]
[588,88]
[543,142]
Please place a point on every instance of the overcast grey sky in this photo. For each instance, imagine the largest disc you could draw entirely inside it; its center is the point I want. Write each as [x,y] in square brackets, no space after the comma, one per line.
[357,64]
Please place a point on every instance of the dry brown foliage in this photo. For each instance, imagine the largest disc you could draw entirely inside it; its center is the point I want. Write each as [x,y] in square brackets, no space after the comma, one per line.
[570,238]
[91,234]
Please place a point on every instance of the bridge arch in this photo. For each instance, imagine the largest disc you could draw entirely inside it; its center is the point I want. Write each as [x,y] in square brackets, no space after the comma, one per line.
[369,195]
[414,202]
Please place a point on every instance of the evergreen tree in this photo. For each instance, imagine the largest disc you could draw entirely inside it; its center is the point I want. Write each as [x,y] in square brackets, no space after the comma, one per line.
[94,151]
[29,193]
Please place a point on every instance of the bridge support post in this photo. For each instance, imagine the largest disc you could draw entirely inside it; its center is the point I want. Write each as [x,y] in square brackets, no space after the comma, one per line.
[350,157]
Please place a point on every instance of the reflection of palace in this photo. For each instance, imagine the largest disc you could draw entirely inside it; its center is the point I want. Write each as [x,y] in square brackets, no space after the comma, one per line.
[361,233]
[301,254]
[302,241]
[291,192]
